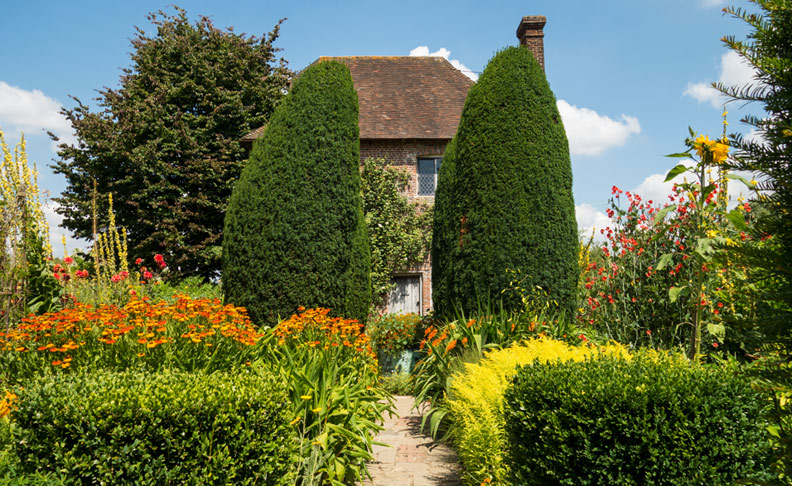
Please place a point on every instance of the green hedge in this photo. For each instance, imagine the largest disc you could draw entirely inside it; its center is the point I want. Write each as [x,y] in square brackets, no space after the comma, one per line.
[504,195]
[653,420]
[157,428]
[295,234]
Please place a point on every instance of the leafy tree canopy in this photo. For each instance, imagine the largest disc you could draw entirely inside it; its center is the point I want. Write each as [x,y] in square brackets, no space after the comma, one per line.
[166,142]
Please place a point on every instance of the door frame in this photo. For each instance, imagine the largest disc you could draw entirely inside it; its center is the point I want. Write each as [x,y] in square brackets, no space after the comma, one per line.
[420,289]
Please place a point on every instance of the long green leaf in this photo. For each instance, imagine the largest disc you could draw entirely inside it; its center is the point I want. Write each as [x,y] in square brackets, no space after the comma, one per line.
[660,215]
[679,169]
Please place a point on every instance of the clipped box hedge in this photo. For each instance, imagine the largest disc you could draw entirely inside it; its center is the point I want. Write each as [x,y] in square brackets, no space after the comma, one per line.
[157,428]
[652,420]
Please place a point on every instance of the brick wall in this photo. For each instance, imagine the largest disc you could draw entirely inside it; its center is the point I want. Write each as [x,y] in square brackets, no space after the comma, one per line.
[404,154]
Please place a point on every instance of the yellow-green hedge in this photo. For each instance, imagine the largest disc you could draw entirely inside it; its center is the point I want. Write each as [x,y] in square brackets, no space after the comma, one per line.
[476,401]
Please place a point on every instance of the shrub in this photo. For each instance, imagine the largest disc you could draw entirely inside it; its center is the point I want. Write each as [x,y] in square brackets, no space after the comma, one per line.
[187,334]
[654,420]
[504,195]
[667,274]
[394,333]
[332,377]
[294,230]
[164,428]
[475,402]
[450,345]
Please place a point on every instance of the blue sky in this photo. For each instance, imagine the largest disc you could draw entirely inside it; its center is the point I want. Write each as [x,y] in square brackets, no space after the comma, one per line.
[630,75]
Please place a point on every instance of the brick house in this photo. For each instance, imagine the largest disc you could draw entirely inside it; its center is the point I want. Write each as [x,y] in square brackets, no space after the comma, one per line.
[409,110]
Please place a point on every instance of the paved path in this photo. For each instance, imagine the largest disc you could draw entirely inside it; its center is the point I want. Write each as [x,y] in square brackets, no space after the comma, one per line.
[412,459]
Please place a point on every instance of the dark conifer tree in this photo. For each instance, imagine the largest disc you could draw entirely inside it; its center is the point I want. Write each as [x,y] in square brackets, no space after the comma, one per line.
[294,230]
[504,196]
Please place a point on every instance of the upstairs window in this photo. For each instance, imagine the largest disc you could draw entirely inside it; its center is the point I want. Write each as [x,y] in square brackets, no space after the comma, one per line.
[428,167]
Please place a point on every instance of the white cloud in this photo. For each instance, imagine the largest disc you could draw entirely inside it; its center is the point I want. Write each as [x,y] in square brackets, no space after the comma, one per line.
[655,188]
[57,233]
[712,3]
[423,51]
[32,112]
[590,133]
[734,71]
[589,219]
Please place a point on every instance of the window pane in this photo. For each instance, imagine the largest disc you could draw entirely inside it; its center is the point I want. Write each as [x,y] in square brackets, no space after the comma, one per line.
[426,177]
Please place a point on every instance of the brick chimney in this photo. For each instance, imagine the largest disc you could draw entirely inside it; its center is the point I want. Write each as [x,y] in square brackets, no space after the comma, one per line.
[531,36]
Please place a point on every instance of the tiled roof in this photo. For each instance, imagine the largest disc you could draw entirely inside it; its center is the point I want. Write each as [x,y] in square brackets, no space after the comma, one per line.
[405,96]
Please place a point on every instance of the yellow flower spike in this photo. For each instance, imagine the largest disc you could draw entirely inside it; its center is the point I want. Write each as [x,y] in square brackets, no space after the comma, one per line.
[294,421]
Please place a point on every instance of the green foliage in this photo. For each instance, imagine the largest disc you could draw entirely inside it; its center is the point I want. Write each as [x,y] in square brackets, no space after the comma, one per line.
[164,428]
[166,143]
[653,420]
[295,233]
[332,378]
[504,195]
[449,346]
[475,402]
[769,154]
[400,233]
[394,333]
[44,293]
[188,335]
[194,287]
[397,383]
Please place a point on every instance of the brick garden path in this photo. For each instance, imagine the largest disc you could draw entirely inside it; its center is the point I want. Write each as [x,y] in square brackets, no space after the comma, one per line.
[412,459]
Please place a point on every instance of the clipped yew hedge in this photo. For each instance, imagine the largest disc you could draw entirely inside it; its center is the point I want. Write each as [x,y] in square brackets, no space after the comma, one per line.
[652,420]
[295,234]
[157,428]
[504,195]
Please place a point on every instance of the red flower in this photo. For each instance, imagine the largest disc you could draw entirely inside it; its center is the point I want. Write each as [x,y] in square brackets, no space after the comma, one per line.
[160,261]
[648,332]
[68,261]
[147,275]
[56,275]
[714,345]
[138,261]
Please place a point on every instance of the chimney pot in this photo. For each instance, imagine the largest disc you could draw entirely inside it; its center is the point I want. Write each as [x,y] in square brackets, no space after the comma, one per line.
[531,35]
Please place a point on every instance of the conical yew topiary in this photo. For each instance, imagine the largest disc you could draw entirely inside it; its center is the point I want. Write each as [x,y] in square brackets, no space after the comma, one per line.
[504,195]
[294,230]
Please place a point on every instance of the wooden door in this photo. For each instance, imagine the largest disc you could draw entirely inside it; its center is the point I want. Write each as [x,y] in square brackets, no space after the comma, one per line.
[405,298]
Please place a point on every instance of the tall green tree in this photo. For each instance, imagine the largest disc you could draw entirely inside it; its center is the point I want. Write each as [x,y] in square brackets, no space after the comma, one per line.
[768,50]
[166,142]
[504,196]
[295,234]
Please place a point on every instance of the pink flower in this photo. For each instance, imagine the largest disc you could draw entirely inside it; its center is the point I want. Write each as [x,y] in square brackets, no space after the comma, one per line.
[147,275]
[81,273]
[116,278]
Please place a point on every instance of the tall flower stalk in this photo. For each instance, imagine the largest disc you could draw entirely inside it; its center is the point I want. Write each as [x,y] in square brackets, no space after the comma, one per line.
[708,199]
